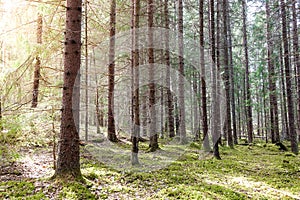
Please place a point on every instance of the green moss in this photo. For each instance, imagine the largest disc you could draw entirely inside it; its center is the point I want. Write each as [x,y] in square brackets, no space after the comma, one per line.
[75,191]
[19,190]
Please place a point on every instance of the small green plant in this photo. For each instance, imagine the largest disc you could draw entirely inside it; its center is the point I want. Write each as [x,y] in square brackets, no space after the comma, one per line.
[11,130]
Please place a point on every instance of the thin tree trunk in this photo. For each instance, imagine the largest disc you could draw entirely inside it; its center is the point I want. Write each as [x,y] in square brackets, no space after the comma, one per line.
[153,129]
[167,58]
[136,104]
[288,79]
[1,125]
[218,73]
[111,132]
[182,125]
[272,82]
[86,72]
[266,125]
[231,77]
[37,67]
[248,93]
[284,107]
[215,128]
[203,79]
[296,56]
[68,148]
[226,77]
[176,117]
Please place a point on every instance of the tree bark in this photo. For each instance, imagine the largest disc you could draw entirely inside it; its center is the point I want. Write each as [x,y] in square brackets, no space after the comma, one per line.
[285,126]
[296,56]
[68,148]
[167,58]
[248,93]
[272,82]
[37,67]
[153,129]
[226,76]
[203,79]
[288,79]
[231,77]
[136,104]
[181,103]
[215,128]
[86,72]
[111,132]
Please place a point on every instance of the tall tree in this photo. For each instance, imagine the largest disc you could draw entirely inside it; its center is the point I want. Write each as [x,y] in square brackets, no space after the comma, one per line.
[111,132]
[68,148]
[247,73]
[203,78]
[86,69]
[272,82]
[215,128]
[181,103]
[167,59]
[296,54]
[153,129]
[227,76]
[135,60]
[288,80]
[231,77]
[37,67]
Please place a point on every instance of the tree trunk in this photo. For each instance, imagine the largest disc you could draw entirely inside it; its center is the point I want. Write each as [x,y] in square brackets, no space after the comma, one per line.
[68,148]
[288,79]
[203,79]
[153,130]
[37,67]
[231,77]
[272,82]
[296,56]
[111,132]
[167,58]
[285,126]
[1,126]
[226,77]
[86,72]
[248,93]
[136,105]
[215,121]
[181,100]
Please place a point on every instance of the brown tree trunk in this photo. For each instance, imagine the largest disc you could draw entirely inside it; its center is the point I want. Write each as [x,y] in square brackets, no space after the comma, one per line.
[37,67]
[272,83]
[68,148]
[167,58]
[296,56]
[215,128]
[285,126]
[203,79]
[231,77]
[248,93]
[86,72]
[153,130]
[181,101]
[136,105]
[226,76]
[1,126]
[288,79]
[111,132]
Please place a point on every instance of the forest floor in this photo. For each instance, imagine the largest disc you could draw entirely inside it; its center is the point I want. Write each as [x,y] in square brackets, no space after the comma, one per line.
[259,171]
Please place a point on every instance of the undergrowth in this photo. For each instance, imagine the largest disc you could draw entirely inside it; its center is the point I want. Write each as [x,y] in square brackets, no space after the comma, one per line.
[257,171]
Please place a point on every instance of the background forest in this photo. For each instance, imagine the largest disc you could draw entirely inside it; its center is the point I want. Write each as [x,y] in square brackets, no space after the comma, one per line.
[173,99]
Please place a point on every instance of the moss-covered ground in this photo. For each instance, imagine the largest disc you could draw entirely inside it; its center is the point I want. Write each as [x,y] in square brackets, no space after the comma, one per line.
[259,171]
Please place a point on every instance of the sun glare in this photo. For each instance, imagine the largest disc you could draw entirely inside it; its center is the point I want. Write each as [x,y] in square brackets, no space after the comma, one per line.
[8,5]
